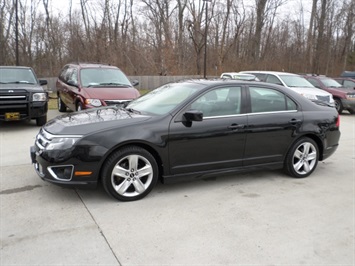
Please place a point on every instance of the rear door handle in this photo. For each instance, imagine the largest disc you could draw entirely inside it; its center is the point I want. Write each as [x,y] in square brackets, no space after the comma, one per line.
[236,126]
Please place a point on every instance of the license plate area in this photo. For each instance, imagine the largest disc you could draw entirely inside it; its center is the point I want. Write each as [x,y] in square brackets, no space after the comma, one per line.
[12,116]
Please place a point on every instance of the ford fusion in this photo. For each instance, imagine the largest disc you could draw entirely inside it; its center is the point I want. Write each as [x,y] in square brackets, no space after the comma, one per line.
[187,129]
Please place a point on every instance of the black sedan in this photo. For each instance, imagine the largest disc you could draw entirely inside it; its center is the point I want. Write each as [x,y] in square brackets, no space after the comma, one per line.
[187,129]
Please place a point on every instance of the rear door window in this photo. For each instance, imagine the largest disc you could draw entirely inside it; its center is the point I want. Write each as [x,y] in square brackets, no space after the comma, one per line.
[269,100]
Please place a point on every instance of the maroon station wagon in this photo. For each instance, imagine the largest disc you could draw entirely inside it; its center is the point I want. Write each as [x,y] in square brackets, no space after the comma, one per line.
[83,86]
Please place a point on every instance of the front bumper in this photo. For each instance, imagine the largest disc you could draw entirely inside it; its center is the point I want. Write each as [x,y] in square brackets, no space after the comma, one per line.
[62,174]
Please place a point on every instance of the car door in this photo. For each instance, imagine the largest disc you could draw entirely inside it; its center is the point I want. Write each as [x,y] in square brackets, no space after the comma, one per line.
[273,122]
[217,142]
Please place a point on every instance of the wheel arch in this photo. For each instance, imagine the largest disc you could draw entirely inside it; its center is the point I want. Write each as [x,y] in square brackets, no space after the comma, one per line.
[317,140]
[145,146]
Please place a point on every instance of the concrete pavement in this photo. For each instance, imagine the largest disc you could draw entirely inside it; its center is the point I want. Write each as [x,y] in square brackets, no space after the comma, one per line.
[263,218]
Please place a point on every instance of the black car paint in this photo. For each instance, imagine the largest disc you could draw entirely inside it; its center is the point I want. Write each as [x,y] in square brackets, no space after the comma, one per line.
[183,150]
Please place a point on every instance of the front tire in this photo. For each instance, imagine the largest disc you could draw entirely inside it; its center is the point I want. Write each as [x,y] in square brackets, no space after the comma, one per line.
[130,173]
[338,105]
[302,158]
[79,107]
[61,106]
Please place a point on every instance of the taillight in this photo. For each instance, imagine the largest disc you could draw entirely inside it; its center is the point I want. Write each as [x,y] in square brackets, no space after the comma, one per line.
[338,121]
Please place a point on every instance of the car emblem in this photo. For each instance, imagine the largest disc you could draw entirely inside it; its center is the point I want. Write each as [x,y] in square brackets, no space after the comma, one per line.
[10,91]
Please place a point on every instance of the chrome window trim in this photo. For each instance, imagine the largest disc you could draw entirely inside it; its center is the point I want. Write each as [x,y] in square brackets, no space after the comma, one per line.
[274,112]
[258,113]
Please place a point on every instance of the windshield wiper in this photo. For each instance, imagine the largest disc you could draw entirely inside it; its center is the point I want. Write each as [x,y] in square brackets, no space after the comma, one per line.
[131,110]
[112,84]
[18,82]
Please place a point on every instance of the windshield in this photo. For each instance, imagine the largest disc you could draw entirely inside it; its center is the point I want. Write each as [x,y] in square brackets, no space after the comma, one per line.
[328,82]
[296,81]
[17,75]
[164,99]
[103,76]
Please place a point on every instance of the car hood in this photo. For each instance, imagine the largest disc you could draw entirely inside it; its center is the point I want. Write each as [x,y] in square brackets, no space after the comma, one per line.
[112,93]
[92,120]
[342,89]
[21,86]
[309,90]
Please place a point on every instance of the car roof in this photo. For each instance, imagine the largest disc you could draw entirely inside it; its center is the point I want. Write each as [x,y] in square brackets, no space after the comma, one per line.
[235,73]
[23,67]
[269,72]
[91,65]
[221,81]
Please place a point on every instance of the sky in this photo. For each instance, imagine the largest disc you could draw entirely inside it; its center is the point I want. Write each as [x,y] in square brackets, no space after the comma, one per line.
[291,8]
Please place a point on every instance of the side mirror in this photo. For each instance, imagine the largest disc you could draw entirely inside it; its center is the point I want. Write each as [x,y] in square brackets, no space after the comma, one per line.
[193,115]
[43,82]
[72,83]
[135,82]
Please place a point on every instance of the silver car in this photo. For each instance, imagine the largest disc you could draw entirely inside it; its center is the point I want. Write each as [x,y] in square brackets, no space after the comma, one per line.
[296,83]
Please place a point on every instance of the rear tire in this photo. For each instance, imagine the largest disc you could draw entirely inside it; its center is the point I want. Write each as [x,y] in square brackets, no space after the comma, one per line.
[302,158]
[130,173]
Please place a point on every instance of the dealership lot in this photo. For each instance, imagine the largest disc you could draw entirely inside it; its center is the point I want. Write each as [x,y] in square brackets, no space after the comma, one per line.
[263,218]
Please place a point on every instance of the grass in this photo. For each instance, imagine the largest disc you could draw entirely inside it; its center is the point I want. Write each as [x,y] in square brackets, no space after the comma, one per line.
[52,103]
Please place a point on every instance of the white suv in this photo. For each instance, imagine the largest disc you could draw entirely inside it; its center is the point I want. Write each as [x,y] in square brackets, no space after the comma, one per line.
[295,82]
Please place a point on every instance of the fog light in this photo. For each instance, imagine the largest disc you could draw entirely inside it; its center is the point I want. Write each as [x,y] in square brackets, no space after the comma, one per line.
[63,172]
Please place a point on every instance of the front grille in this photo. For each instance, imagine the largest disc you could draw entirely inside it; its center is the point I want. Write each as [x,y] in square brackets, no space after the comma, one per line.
[323,98]
[14,101]
[43,139]
[117,102]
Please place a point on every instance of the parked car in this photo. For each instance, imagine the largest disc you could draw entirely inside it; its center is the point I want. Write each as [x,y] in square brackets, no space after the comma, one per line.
[348,74]
[344,97]
[237,75]
[187,129]
[82,86]
[21,95]
[295,82]
[346,82]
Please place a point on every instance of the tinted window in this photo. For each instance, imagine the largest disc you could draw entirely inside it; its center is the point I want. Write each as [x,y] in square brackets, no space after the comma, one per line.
[314,82]
[273,79]
[269,100]
[71,75]
[219,102]
[330,82]
[349,83]
[164,99]
[295,81]
[103,76]
[17,75]
[62,74]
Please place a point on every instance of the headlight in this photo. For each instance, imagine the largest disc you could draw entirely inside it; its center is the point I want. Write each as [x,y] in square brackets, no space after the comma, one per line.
[350,96]
[39,97]
[93,102]
[309,96]
[61,143]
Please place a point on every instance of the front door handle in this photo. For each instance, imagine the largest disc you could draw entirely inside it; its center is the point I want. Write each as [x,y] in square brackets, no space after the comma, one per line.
[295,121]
